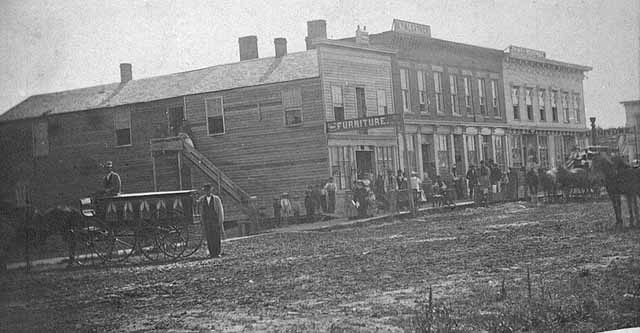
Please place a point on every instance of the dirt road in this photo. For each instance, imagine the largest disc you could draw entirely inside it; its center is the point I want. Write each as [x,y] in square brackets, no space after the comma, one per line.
[510,267]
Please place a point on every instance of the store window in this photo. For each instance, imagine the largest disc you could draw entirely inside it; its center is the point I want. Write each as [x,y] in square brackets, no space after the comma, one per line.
[499,146]
[543,144]
[516,151]
[472,149]
[342,165]
[443,152]
[385,160]
[428,156]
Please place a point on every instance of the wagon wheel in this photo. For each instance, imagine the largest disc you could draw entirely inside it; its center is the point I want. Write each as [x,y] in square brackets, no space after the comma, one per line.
[111,243]
[172,242]
[147,236]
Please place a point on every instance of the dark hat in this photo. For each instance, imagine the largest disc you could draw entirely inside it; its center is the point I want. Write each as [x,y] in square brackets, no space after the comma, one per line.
[108,164]
[207,185]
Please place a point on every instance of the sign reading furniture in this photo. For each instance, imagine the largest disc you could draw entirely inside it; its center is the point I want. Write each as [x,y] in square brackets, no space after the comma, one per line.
[361,123]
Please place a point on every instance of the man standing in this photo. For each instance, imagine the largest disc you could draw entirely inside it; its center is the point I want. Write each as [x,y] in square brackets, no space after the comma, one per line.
[472,177]
[111,183]
[330,187]
[212,218]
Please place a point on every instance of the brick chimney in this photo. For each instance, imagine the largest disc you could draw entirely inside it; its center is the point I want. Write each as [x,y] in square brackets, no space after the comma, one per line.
[248,47]
[362,36]
[281,47]
[316,31]
[125,73]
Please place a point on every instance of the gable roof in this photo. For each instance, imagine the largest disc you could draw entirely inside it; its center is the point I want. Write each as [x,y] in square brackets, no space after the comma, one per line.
[293,66]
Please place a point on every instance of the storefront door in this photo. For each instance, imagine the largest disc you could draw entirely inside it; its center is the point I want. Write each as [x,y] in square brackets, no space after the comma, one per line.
[364,163]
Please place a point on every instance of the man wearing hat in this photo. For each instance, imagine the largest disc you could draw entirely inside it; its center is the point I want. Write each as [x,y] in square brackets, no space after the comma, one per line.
[212,218]
[111,183]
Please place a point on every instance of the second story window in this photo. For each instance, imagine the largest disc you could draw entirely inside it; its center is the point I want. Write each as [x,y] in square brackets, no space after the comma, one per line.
[453,87]
[494,98]
[422,91]
[467,94]
[437,82]
[123,127]
[382,102]
[292,102]
[404,86]
[554,106]
[515,101]
[41,138]
[481,96]
[565,107]
[576,107]
[338,104]
[529,102]
[215,116]
[541,105]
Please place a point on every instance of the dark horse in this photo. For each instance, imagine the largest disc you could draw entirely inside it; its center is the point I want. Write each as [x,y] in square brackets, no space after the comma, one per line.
[576,179]
[28,227]
[619,179]
[547,179]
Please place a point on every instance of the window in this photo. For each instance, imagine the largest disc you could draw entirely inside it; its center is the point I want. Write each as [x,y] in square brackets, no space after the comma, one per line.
[422,91]
[443,151]
[516,150]
[437,82]
[499,146]
[361,105]
[541,105]
[565,107]
[453,87]
[215,116]
[494,96]
[472,152]
[481,95]
[515,101]
[342,165]
[487,151]
[384,160]
[404,86]
[123,127]
[527,99]
[554,106]
[543,143]
[428,156]
[338,104]
[382,102]
[467,94]
[576,107]
[292,102]
[41,138]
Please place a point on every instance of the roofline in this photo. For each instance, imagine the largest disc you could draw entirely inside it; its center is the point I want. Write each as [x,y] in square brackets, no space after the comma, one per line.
[483,48]
[636,101]
[367,47]
[583,68]
[153,100]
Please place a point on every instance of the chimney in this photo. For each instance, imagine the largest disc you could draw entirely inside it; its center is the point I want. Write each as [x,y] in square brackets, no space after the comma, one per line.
[281,47]
[316,31]
[248,47]
[125,73]
[362,36]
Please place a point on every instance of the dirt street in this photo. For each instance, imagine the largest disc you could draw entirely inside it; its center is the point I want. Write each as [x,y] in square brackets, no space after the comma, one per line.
[508,267]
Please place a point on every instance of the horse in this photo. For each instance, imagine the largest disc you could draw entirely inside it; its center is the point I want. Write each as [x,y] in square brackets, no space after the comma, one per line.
[570,180]
[65,221]
[531,177]
[619,180]
[18,225]
[547,179]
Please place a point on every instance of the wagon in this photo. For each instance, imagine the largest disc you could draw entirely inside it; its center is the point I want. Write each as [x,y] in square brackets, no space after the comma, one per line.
[157,225]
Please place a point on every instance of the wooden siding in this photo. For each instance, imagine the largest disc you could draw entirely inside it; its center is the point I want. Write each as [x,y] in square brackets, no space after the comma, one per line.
[257,151]
[79,143]
[348,69]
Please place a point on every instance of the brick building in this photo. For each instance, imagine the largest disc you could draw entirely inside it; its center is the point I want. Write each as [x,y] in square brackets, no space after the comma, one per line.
[545,107]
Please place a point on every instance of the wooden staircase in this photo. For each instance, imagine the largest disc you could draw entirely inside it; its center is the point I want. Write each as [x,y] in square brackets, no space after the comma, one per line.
[245,201]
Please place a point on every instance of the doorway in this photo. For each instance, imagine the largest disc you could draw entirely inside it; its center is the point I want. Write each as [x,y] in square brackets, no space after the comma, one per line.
[364,163]
[175,118]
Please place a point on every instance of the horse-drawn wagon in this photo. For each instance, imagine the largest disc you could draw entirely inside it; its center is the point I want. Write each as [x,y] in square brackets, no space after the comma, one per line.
[158,225]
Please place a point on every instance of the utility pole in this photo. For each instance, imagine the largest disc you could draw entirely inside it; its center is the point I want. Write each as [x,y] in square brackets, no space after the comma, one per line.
[594,141]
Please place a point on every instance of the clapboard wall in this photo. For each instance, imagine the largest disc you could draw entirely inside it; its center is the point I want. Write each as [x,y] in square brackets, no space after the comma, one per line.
[79,143]
[257,150]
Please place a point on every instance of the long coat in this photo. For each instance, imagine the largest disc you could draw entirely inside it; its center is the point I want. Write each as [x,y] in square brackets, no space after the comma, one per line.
[212,218]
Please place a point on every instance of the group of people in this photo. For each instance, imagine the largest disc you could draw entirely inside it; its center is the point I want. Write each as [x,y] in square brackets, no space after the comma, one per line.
[321,197]
[484,180]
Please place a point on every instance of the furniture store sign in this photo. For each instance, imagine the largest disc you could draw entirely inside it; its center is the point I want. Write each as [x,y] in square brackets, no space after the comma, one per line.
[361,123]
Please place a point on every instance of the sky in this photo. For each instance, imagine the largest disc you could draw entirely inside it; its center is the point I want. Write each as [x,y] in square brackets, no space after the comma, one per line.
[48,46]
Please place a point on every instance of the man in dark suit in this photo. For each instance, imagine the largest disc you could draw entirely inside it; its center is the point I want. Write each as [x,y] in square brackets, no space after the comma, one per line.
[212,218]
[111,182]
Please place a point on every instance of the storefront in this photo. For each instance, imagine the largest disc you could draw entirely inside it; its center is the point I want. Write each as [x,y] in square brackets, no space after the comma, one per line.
[542,148]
